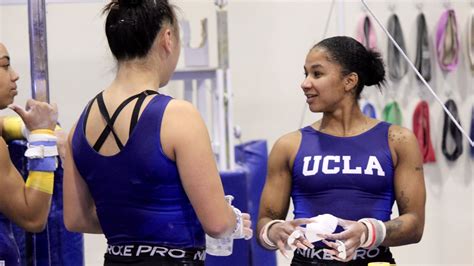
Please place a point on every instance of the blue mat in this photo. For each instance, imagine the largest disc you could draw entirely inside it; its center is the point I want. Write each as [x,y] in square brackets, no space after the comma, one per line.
[246,185]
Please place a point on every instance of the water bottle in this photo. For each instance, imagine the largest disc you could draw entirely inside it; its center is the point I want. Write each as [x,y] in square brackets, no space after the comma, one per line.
[220,246]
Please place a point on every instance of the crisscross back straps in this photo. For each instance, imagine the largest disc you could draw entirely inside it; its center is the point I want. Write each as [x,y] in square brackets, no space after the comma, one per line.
[447,41]
[111,120]
[421,128]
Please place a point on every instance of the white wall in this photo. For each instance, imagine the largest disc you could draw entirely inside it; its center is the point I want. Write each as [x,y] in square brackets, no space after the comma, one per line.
[268,44]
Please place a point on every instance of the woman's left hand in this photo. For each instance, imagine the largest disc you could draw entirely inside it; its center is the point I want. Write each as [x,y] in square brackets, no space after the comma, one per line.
[247,222]
[350,238]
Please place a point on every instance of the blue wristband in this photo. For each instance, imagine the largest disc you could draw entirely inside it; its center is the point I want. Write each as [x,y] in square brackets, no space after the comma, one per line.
[47,164]
[43,143]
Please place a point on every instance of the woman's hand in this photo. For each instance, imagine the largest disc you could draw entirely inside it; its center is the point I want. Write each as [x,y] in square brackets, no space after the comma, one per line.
[247,222]
[38,115]
[351,238]
[280,232]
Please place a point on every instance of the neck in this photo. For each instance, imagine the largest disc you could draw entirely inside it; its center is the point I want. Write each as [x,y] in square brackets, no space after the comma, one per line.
[344,121]
[133,77]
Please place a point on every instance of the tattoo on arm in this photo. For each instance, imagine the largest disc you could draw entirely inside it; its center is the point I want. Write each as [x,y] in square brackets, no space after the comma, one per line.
[272,214]
[419,168]
[393,229]
[402,202]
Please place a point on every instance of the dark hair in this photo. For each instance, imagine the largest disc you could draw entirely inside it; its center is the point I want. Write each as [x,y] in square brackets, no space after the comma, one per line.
[132,25]
[352,56]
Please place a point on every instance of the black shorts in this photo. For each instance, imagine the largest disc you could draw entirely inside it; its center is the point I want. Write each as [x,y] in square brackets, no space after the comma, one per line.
[151,255]
[318,257]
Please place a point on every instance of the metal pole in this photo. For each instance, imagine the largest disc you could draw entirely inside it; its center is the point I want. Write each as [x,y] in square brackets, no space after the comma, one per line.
[38,50]
[39,248]
[223,58]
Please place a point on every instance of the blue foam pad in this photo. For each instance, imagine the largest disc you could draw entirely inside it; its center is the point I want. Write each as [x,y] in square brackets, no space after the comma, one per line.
[234,184]
[253,156]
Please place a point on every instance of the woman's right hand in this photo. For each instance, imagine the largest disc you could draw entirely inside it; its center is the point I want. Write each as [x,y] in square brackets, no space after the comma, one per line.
[38,115]
[280,232]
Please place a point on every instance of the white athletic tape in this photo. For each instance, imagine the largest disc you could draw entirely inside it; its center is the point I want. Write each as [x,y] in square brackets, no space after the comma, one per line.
[292,238]
[341,248]
[38,152]
[41,137]
[239,226]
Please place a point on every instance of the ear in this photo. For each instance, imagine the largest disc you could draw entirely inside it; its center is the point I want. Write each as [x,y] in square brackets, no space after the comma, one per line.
[167,40]
[350,81]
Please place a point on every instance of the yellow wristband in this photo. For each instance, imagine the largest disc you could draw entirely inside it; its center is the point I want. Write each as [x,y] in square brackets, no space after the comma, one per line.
[42,131]
[57,128]
[42,181]
[12,128]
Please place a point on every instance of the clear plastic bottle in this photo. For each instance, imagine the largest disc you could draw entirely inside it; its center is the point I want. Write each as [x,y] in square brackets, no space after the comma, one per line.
[220,246]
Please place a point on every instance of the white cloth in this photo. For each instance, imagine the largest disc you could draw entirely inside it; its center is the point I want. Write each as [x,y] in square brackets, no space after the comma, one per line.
[321,224]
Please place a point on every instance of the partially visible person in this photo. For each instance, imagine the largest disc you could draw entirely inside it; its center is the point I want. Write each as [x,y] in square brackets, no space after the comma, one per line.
[27,203]
[347,165]
[139,165]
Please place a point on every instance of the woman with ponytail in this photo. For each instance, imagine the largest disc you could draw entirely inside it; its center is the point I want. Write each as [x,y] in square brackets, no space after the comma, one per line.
[140,167]
[346,166]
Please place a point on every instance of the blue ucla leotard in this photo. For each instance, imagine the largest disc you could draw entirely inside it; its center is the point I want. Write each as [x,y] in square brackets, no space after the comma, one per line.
[348,177]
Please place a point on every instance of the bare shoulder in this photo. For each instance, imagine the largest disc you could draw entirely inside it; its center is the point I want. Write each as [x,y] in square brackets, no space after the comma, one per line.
[181,117]
[288,141]
[403,144]
[71,132]
[400,136]
[286,147]
[181,108]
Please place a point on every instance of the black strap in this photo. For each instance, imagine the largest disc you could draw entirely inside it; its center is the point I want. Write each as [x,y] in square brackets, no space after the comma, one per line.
[423,58]
[450,128]
[88,110]
[109,123]
[111,120]
[138,106]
